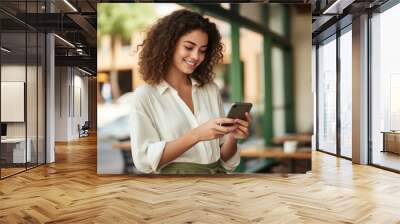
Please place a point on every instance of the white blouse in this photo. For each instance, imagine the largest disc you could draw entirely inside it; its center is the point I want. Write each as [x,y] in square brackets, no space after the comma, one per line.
[159,115]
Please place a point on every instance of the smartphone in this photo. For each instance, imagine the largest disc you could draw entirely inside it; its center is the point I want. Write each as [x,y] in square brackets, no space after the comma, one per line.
[238,111]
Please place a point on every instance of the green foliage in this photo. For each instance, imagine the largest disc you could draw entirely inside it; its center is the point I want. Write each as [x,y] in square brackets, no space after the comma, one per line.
[121,19]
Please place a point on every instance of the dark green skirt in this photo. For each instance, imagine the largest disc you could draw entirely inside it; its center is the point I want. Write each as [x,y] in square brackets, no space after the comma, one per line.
[193,168]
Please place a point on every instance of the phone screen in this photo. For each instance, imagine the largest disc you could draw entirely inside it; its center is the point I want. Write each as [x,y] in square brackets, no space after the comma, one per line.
[238,111]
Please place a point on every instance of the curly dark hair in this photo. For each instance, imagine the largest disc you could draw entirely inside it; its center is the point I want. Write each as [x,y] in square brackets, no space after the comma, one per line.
[159,46]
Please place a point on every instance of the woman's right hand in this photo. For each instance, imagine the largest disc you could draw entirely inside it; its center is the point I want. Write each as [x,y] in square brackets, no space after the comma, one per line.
[213,129]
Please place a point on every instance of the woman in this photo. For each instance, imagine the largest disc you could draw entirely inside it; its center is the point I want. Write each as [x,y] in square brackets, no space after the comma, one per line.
[177,114]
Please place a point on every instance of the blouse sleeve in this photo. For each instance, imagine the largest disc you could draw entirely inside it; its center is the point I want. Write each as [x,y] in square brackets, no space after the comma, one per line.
[146,145]
[233,162]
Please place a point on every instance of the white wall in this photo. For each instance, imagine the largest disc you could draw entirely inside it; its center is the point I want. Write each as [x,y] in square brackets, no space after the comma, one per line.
[80,109]
[71,94]
[62,81]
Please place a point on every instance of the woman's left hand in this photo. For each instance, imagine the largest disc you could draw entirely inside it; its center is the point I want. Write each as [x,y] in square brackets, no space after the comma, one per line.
[242,130]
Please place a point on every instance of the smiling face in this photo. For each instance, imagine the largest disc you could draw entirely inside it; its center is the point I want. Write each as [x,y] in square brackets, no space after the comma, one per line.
[190,51]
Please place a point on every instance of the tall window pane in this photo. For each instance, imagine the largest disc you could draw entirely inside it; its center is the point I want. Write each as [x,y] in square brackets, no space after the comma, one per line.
[327,96]
[275,18]
[385,86]
[278,91]
[345,94]
[41,79]
[31,97]
[15,149]
[253,85]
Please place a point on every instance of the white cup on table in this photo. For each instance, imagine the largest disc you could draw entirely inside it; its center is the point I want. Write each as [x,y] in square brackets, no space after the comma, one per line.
[290,146]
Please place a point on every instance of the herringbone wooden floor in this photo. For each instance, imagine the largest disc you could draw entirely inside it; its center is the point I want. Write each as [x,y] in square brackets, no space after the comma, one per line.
[70,191]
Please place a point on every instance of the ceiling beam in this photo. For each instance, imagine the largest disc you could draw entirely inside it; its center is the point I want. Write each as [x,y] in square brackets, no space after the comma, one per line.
[83,61]
[83,23]
[230,16]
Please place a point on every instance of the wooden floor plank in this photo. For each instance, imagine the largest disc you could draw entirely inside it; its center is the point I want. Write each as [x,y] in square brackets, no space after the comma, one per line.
[70,191]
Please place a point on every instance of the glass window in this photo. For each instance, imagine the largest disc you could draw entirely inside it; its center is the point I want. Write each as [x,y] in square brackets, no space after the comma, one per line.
[41,99]
[22,91]
[252,11]
[250,55]
[385,88]
[32,40]
[327,96]
[278,91]
[31,96]
[225,6]
[345,94]
[15,149]
[276,18]
[314,90]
